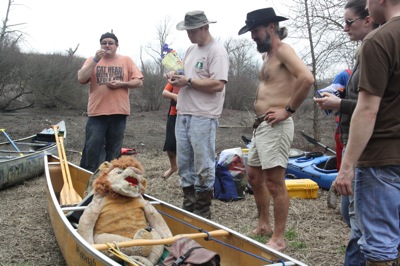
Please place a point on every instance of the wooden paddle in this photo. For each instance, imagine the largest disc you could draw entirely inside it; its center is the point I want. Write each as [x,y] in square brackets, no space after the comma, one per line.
[11,141]
[165,241]
[68,196]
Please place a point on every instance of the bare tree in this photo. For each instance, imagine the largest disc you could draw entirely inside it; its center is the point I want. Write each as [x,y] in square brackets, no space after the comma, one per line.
[53,80]
[154,82]
[153,70]
[34,79]
[163,30]
[71,52]
[318,28]
[243,70]
[14,80]
[12,86]
[8,31]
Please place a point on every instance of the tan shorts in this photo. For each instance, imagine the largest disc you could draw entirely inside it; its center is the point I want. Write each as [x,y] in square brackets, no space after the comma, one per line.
[270,146]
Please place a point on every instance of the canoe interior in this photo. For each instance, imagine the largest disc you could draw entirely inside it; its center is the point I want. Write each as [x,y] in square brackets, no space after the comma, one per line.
[37,142]
[75,250]
[234,249]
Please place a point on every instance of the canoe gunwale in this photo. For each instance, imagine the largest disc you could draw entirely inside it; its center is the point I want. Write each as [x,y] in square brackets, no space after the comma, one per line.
[231,231]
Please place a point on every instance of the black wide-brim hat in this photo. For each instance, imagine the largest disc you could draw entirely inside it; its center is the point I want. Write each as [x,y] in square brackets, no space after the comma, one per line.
[260,17]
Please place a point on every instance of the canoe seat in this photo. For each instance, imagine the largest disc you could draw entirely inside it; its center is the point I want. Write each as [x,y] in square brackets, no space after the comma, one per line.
[74,216]
[330,164]
[75,225]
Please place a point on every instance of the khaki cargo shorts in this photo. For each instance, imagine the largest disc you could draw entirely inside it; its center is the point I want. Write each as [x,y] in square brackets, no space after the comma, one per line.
[270,146]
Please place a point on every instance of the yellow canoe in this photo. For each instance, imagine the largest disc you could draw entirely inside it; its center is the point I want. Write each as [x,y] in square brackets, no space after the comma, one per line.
[233,248]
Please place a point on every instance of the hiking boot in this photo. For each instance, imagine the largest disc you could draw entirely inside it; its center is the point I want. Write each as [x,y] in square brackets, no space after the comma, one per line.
[189,198]
[332,197]
[394,262]
[203,203]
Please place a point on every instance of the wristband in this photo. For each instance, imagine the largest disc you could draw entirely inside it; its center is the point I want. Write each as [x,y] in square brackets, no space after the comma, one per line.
[290,110]
[189,83]
[94,59]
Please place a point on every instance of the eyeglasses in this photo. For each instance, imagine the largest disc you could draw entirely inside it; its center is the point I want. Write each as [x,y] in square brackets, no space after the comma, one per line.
[349,22]
[109,43]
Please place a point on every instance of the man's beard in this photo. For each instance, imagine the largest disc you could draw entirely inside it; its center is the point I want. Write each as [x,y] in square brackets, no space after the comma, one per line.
[265,46]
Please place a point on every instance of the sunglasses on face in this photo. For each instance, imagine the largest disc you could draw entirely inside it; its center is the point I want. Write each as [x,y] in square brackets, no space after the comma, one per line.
[349,22]
[109,43]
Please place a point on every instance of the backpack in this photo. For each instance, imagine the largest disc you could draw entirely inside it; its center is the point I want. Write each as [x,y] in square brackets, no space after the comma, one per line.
[187,252]
[230,180]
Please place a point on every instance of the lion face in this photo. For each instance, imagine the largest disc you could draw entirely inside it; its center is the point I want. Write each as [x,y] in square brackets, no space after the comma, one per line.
[127,182]
[121,177]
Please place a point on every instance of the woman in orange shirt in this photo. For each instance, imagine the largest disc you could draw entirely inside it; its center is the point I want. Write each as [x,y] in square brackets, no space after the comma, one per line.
[171,92]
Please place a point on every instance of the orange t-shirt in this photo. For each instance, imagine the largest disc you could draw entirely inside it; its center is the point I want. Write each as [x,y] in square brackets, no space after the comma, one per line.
[173,89]
[104,100]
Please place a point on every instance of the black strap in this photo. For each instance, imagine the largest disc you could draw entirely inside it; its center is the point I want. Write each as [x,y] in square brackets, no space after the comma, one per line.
[314,154]
[218,175]
[182,258]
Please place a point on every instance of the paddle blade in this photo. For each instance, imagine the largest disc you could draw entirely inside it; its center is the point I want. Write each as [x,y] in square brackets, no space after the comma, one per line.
[68,196]
[65,197]
[313,141]
[309,139]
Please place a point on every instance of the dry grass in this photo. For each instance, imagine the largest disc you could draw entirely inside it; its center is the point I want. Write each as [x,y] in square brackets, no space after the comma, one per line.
[316,235]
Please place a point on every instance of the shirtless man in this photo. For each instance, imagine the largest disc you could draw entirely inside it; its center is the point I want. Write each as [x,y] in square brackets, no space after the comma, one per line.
[284,84]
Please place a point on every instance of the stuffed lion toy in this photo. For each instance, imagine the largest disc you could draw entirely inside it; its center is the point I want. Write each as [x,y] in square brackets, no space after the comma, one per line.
[119,213]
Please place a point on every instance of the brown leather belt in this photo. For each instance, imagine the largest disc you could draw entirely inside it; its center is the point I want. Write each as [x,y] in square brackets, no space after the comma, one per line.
[258,121]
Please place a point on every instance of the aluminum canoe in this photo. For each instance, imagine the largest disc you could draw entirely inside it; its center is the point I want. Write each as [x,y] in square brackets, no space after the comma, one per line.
[16,167]
[233,247]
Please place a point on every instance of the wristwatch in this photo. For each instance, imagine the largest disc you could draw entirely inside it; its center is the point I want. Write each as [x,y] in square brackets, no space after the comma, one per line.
[189,83]
[290,110]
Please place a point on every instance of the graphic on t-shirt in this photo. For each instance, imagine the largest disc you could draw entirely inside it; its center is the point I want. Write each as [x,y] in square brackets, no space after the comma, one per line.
[199,65]
[105,74]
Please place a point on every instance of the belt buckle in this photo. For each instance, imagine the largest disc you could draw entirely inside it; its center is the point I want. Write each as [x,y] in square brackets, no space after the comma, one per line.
[259,118]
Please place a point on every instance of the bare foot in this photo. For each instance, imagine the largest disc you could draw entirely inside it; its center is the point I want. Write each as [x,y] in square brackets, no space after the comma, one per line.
[168,173]
[263,231]
[278,245]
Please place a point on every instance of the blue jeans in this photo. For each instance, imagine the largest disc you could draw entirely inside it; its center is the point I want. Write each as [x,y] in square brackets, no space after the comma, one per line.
[195,143]
[104,137]
[345,201]
[344,208]
[353,256]
[377,201]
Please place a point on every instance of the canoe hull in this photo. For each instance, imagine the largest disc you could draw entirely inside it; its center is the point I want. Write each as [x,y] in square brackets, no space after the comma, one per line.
[74,248]
[236,249]
[17,168]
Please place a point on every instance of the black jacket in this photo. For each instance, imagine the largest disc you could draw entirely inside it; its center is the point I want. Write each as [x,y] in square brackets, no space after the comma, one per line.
[348,104]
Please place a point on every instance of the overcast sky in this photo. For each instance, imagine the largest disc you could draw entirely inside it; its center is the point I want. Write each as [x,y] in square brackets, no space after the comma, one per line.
[56,26]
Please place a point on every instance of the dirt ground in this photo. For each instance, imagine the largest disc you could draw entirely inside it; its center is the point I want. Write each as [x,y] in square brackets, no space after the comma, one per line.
[318,234]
